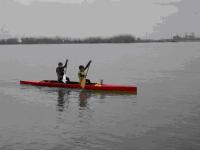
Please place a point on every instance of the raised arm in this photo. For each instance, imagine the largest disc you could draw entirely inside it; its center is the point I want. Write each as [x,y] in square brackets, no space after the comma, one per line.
[65,63]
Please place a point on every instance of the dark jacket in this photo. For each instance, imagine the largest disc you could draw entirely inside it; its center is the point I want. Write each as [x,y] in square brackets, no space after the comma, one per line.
[60,71]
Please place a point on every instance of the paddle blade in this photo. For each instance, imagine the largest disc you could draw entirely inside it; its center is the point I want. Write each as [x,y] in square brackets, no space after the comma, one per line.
[64,78]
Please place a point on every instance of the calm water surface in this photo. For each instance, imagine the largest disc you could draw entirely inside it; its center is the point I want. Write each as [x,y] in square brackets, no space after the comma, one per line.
[163,115]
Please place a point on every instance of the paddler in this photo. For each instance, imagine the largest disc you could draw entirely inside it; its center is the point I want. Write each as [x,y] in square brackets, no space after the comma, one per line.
[60,71]
[82,74]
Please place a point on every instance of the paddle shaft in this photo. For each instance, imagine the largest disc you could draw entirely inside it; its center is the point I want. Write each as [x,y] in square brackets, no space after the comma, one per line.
[65,70]
[84,79]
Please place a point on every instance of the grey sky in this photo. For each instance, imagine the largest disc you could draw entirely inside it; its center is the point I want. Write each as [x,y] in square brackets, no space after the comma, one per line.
[83,18]
[185,21]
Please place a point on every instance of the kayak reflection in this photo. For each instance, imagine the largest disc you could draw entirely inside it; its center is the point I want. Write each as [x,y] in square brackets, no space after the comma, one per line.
[83,98]
[63,99]
[68,97]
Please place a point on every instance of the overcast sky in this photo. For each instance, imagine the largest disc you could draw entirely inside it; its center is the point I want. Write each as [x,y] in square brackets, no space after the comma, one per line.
[84,18]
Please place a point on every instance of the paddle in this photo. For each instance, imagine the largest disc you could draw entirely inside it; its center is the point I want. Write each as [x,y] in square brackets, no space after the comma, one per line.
[64,76]
[83,82]
[65,70]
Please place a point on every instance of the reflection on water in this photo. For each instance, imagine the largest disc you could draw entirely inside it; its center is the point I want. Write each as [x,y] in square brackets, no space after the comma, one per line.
[63,99]
[83,98]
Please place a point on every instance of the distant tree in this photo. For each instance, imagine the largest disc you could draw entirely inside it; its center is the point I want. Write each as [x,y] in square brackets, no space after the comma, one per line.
[122,39]
[9,41]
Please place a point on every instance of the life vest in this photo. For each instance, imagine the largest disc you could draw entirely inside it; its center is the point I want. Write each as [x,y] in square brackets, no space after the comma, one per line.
[81,75]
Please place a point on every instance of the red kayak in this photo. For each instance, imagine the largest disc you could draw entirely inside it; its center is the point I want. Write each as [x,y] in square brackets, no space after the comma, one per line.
[76,85]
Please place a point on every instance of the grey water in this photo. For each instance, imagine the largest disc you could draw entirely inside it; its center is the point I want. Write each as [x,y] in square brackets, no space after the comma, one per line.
[165,113]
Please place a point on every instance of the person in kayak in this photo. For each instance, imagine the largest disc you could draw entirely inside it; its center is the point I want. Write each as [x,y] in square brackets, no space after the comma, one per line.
[82,74]
[60,71]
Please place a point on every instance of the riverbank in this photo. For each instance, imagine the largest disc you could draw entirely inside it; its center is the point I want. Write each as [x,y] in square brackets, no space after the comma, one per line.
[91,40]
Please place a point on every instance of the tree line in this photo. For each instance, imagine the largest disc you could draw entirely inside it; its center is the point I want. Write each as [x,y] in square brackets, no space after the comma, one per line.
[58,40]
[114,39]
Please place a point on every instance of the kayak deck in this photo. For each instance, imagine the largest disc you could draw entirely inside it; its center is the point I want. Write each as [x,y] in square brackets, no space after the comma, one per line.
[76,85]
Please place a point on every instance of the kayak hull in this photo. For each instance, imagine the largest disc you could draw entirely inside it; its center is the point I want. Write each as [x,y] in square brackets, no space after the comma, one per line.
[76,85]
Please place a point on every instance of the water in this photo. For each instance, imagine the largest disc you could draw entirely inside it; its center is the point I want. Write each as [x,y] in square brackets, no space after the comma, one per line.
[163,115]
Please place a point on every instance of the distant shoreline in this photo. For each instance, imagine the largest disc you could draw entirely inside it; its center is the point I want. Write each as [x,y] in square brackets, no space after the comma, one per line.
[93,40]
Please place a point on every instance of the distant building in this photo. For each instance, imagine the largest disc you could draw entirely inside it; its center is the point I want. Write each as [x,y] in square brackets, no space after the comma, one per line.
[186,37]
